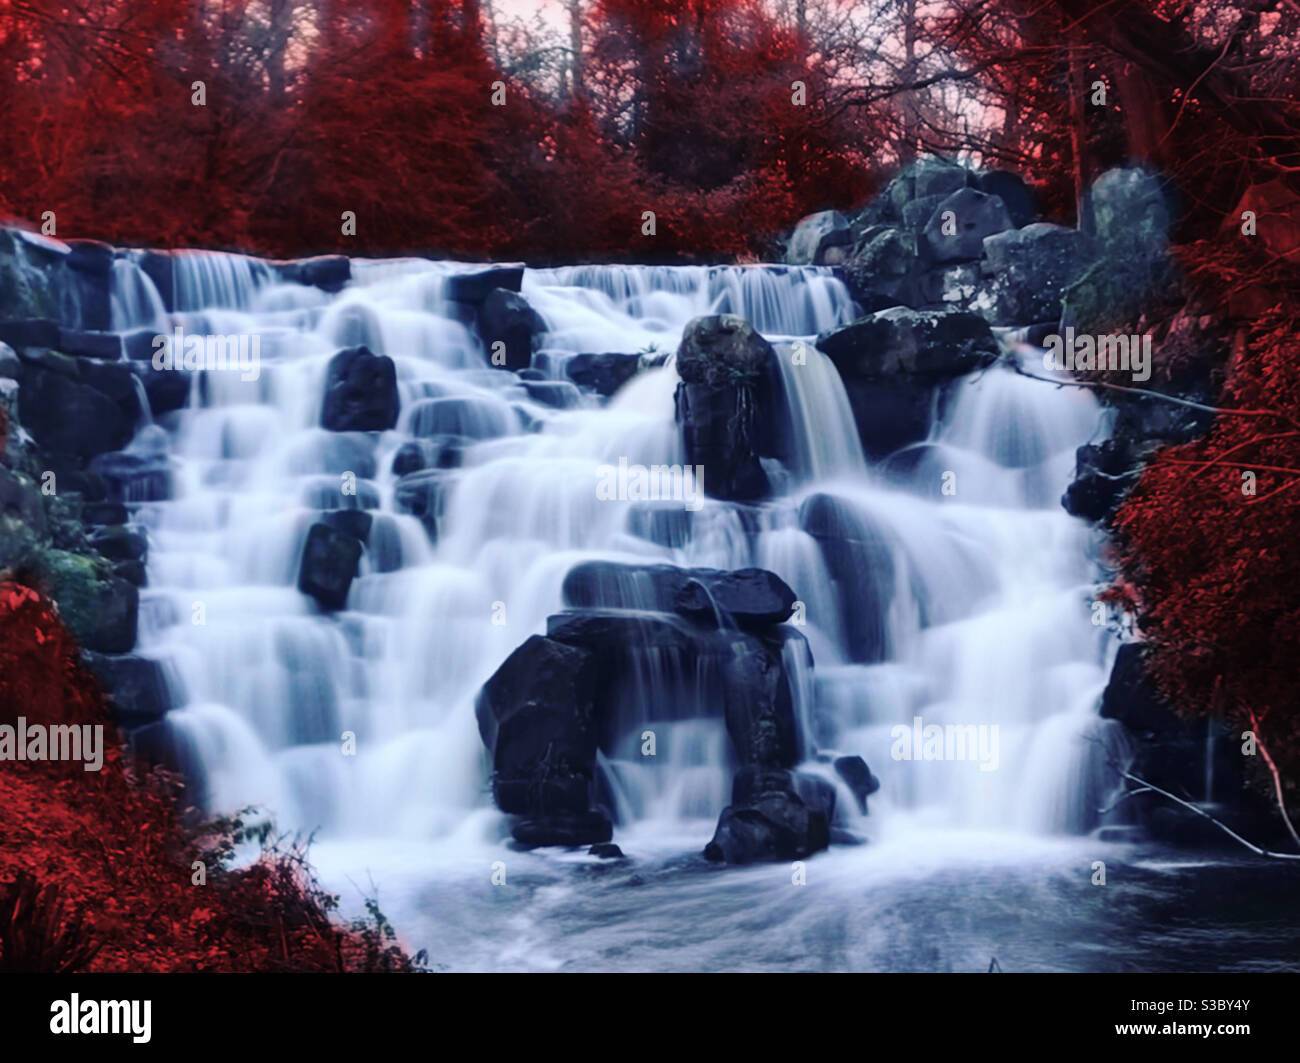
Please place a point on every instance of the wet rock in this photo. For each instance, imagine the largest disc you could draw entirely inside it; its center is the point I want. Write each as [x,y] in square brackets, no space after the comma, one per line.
[360,392]
[167,390]
[956,230]
[120,543]
[506,317]
[330,273]
[747,598]
[603,373]
[20,502]
[134,477]
[1104,472]
[557,394]
[68,416]
[352,522]
[329,564]
[571,831]
[90,256]
[773,816]
[606,851]
[537,718]
[136,686]
[722,361]
[883,269]
[424,494]
[89,344]
[858,778]
[819,239]
[474,287]
[759,709]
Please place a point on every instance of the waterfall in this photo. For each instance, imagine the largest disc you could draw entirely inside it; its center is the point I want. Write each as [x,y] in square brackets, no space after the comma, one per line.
[965,608]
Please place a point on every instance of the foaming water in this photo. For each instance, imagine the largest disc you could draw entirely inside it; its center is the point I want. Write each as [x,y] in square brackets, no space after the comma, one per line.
[944,585]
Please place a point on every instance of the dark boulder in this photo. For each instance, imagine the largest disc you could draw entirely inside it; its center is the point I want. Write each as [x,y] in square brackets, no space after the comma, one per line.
[90,256]
[64,414]
[927,344]
[858,778]
[606,851]
[329,564]
[330,273]
[774,815]
[1010,187]
[505,317]
[137,687]
[474,287]
[571,830]
[747,598]
[134,477]
[30,332]
[120,543]
[537,718]
[603,373]
[722,362]
[360,392]
[759,708]
[1103,474]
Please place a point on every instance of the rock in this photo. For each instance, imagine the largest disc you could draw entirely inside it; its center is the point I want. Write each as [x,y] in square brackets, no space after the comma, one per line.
[136,686]
[469,417]
[90,256]
[858,778]
[30,332]
[330,273]
[883,268]
[928,344]
[916,215]
[506,317]
[1016,196]
[572,831]
[132,571]
[747,598]
[360,392]
[536,717]
[1103,474]
[759,709]
[776,821]
[25,288]
[329,563]
[167,390]
[475,287]
[957,284]
[926,178]
[956,230]
[557,394]
[606,851]
[11,366]
[423,494]
[20,503]
[1031,269]
[859,561]
[1132,698]
[818,238]
[70,417]
[101,610]
[352,522]
[722,361]
[101,513]
[603,373]
[439,452]
[159,268]
[1130,209]
[134,477]
[106,345]
[120,543]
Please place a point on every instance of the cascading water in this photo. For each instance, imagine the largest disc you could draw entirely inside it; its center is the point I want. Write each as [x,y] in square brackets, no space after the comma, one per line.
[961,597]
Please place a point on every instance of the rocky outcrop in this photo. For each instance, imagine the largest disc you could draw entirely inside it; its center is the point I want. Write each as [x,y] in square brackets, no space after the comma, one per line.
[1030,270]
[819,239]
[722,362]
[603,373]
[773,815]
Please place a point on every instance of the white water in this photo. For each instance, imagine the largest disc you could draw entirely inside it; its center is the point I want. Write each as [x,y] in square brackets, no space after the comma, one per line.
[979,598]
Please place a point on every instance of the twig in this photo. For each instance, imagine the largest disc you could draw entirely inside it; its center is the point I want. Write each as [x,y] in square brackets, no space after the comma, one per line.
[1277,777]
